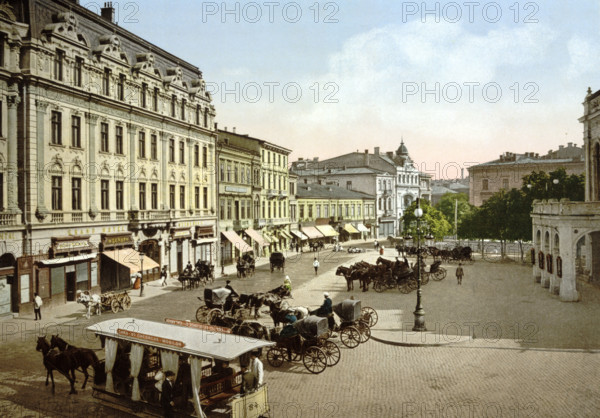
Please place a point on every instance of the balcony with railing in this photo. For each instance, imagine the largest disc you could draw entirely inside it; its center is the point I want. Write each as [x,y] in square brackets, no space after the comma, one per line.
[61,217]
[242,224]
[8,219]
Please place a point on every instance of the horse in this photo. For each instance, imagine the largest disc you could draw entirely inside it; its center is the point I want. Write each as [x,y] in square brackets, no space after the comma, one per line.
[347,273]
[253,301]
[82,357]
[92,303]
[55,360]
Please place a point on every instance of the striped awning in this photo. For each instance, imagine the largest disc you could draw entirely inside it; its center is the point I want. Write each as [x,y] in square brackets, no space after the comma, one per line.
[237,241]
[271,237]
[311,232]
[299,234]
[362,228]
[285,234]
[129,257]
[327,230]
[351,229]
[256,237]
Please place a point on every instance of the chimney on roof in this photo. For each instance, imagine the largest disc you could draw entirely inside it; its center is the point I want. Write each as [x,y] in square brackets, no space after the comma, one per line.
[569,144]
[376,150]
[315,159]
[225,128]
[233,129]
[108,12]
[366,159]
[561,147]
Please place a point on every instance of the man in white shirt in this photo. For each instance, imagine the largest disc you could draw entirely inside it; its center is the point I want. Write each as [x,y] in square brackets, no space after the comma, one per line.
[256,367]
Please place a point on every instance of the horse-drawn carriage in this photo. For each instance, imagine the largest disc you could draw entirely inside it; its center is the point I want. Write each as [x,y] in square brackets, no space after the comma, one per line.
[308,344]
[139,352]
[191,277]
[277,261]
[114,301]
[354,328]
[316,245]
[245,265]
[220,302]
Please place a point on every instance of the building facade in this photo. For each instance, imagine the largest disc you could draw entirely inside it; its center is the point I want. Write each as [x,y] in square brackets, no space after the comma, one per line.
[507,172]
[107,152]
[566,234]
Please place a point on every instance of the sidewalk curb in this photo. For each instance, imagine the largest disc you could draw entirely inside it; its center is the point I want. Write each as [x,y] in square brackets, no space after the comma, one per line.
[408,343]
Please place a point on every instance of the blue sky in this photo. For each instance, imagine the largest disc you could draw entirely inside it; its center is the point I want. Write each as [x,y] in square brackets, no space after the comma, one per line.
[461,84]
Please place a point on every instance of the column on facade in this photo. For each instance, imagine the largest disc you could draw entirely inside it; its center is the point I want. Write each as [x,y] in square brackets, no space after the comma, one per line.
[568,251]
[163,161]
[132,129]
[545,281]
[554,279]
[13,101]
[190,186]
[41,210]
[92,121]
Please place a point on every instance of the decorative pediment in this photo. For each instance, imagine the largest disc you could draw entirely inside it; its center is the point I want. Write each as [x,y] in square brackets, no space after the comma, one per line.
[182,177]
[104,169]
[145,62]
[197,87]
[174,76]
[154,174]
[172,176]
[56,164]
[110,46]
[76,167]
[7,12]
[120,174]
[66,26]
[197,179]
[142,174]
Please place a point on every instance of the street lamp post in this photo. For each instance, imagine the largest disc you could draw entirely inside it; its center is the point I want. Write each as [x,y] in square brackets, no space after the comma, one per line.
[142,275]
[419,311]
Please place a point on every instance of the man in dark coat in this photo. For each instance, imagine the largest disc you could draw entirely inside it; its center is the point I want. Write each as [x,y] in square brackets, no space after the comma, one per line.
[166,398]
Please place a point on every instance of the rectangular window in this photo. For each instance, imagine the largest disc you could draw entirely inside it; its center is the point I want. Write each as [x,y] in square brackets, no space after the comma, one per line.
[142,145]
[505,184]
[56,128]
[205,197]
[104,136]
[59,58]
[181,152]
[484,185]
[229,209]
[222,171]
[144,95]
[119,195]
[181,197]
[155,99]
[171,150]
[104,201]
[153,147]
[106,82]
[206,117]
[119,140]
[121,87]
[197,197]
[173,106]
[235,174]
[228,172]
[154,195]
[2,42]
[76,193]
[183,104]
[172,196]
[57,193]
[1,192]
[76,131]
[142,190]
[222,209]
[77,72]
[198,111]
[204,157]
[196,155]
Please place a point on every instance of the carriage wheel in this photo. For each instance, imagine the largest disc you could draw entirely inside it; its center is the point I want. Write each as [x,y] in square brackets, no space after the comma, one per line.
[201,314]
[350,337]
[369,315]
[214,314]
[314,360]
[378,286]
[425,277]
[242,313]
[365,331]
[413,284]
[126,302]
[440,274]
[332,351]
[275,356]
[114,305]
[404,288]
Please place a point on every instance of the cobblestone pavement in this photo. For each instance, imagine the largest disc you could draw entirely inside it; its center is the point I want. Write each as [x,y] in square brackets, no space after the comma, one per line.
[532,355]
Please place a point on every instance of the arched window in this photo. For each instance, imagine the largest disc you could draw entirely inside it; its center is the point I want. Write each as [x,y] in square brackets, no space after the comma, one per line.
[559,266]
[541,260]
[533,256]
[549,263]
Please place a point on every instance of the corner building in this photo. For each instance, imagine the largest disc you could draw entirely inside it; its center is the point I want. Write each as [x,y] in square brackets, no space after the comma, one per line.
[107,150]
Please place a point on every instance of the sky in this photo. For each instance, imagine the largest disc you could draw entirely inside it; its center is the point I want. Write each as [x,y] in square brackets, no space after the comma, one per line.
[460,82]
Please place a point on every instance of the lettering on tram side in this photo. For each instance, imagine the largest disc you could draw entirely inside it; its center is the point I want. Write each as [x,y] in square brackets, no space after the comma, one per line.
[203,327]
[149,337]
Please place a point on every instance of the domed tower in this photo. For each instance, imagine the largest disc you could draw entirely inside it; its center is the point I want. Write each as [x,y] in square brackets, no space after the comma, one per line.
[401,156]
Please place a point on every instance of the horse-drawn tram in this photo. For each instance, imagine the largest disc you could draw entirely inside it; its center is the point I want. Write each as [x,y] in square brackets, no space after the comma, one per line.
[139,353]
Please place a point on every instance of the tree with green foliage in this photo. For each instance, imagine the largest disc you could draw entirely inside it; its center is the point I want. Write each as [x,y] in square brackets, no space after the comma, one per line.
[437,225]
[555,185]
[447,205]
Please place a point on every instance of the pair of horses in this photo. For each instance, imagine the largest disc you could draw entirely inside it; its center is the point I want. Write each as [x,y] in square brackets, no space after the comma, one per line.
[61,356]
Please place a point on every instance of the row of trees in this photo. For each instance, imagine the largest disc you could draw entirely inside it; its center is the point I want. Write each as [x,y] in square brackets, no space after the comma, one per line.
[505,216]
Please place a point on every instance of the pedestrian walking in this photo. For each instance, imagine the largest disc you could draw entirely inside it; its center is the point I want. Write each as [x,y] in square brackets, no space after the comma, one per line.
[163,276]
[316,265]
[459,273]
[37,306]
[297,247]
[376,245]
[256,367]
[166,398]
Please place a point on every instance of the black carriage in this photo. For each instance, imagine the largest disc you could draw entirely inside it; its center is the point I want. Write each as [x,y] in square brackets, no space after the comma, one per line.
[219,302]
[436,272]
[308,344]
[354,329]
[205,271]
[277,261]
[245,265]
[462,255]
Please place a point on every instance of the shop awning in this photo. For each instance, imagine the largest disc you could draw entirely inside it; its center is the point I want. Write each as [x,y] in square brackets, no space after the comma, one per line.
[312,232]
[271,237]
[131,258]
[256,237]
[362,228]
[285,234]
[237,241]
[327,230]
[66,260]
[299,235]
[351,229]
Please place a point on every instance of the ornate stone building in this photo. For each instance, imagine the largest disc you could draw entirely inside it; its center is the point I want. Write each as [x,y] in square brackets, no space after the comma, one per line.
[566,234]
[106,150]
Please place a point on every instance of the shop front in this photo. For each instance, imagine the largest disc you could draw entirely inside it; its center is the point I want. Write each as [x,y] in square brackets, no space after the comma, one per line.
[203,244]
[179,239]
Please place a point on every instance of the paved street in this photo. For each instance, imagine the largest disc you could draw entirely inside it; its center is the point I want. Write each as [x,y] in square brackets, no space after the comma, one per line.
[531,356]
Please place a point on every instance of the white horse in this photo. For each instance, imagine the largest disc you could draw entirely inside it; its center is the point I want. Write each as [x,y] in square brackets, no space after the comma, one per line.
[300,311]
[92,302]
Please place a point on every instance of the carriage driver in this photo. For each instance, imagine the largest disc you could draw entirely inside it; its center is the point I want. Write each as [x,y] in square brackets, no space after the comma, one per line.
[326,311]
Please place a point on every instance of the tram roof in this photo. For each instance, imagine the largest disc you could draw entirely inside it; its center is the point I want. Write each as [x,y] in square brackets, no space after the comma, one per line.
[192,341]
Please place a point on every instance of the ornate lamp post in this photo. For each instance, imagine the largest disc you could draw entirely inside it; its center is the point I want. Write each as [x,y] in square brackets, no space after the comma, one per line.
[419,312]
[142,275]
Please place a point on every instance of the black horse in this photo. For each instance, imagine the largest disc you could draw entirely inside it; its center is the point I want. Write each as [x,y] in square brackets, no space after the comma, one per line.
[64,363]
[82,358]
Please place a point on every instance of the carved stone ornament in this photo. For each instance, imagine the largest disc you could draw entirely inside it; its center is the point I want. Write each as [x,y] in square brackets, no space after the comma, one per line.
[110,45]
[41,214]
